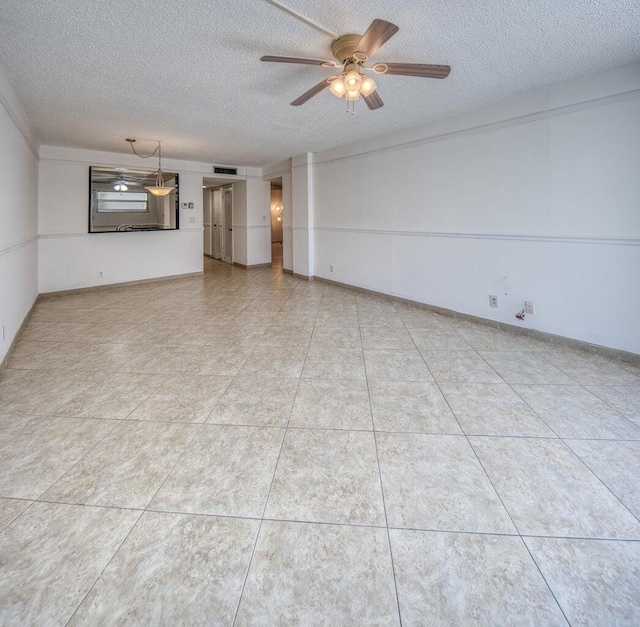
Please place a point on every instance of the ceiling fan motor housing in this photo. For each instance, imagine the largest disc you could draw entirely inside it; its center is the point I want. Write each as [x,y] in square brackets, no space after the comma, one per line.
[344,47]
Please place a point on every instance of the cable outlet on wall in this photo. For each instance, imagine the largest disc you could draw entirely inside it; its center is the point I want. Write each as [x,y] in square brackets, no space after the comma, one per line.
[529,307]
[493,301]
[331,268]
[100,274]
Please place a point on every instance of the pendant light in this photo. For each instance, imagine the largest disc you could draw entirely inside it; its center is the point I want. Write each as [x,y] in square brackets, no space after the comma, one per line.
[159,189]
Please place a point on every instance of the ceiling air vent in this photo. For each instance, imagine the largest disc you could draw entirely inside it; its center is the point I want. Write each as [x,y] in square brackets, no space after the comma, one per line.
[217,170]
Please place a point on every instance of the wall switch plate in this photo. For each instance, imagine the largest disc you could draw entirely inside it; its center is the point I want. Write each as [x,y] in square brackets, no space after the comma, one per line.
[529,307]
[493,301]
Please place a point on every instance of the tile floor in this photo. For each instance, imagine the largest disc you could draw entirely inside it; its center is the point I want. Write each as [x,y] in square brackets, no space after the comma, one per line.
[247,448]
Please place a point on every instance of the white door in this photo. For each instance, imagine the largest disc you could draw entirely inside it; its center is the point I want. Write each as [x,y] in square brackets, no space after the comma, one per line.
[227,222]
[216,232]
[206,222]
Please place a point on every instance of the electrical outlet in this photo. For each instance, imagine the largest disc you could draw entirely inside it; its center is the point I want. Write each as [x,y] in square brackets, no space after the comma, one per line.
[331,268]
[2,333]
[493,301]
[529,307]
[100,274]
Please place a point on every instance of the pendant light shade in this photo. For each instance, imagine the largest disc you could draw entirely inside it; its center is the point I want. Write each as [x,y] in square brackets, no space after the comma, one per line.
[159,189]
[337,87]
[368,86]
[352,80]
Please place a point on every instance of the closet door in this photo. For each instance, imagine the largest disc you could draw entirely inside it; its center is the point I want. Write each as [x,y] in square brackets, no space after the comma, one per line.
[227,213]
[217,224]
[207,223]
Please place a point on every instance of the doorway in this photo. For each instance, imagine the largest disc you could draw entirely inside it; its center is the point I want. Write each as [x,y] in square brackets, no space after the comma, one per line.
[276,221]
[218,221]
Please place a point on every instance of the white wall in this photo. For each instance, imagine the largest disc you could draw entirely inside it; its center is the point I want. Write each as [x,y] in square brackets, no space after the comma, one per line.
[251,225]
[544,190]
[18,217]
[70,258]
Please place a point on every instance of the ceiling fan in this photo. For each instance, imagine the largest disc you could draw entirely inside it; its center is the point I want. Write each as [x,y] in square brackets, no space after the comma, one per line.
[351,52]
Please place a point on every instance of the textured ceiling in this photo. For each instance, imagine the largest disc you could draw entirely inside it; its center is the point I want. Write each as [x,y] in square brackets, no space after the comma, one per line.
[90,73]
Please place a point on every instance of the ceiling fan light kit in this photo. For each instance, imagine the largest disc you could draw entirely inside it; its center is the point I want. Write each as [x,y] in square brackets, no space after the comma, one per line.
[352,51]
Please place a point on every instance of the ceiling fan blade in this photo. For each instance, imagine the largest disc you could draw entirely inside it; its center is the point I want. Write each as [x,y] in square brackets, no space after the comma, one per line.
[377,34]
[417,69]
[316,89]
[299,60]
[373,100]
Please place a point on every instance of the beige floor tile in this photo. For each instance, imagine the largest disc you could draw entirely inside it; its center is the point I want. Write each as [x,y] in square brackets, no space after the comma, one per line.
[25,348]
[493,409]
[617,464]
[270,361]
[415,406]
[381,337]
[173,569]
[10,509]
[287,336]
[418,318]
[156,359]
[337,318]
[518,368]
[386,317]
[336,337]
[39,393]
[327,476]
[80,357]
[115,397]
[624,399]
[594,581]
[38,457]
[428,340]
[469,579]
[334,363]
[100,354]
[590,368]
[52,555]
[548,491]
[125,469]
[396,365]
[12,425]
[483,338]
[305,574]
[435,482]
[460,367]
[226,470]
[573,412]
[251,400]
[332,404]
[182,398]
